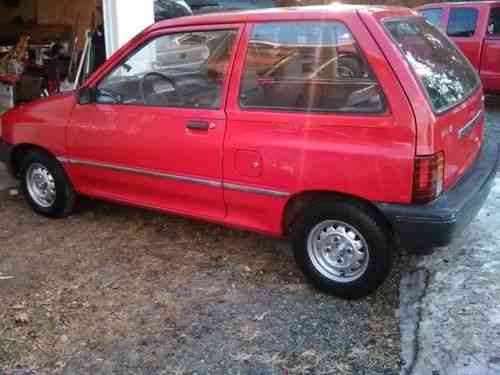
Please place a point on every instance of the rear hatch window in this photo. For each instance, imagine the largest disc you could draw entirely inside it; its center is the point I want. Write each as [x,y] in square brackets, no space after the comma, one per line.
[444,73]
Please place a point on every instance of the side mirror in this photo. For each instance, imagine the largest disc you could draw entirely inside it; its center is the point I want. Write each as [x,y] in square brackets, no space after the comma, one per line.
[85,96]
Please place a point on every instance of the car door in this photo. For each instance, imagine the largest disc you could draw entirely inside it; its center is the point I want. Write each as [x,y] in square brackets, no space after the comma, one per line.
[490,68]
[154,132]
[462,27]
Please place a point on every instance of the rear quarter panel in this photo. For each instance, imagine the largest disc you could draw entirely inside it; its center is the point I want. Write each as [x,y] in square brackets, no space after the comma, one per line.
[367,156]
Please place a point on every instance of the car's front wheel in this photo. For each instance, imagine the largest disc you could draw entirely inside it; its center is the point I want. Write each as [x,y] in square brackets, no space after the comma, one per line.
[343,248]
[45,185]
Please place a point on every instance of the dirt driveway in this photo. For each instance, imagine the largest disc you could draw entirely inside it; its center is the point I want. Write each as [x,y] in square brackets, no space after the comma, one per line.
[116,290]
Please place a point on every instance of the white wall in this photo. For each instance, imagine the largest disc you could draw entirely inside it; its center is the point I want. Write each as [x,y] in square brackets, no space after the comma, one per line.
[124,19]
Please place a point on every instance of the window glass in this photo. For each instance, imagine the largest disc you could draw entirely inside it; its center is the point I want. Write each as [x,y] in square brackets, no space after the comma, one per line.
[307,66]
[433,15]
[175,70]
[445,74]
[494,22]
[462,22]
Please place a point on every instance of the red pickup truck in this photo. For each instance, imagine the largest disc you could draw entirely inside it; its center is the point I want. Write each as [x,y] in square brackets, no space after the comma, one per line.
[475,28]
[354,130]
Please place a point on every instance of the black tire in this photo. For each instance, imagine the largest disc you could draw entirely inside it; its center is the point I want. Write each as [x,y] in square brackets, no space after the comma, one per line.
[65,197]
[375,233]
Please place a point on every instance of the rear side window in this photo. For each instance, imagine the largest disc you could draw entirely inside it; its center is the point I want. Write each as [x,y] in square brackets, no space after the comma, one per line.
[307,66]
[446,76]
[462,22]
[433,15]
[494,22]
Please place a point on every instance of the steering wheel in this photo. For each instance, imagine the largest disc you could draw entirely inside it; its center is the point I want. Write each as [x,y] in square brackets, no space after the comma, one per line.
[164,77]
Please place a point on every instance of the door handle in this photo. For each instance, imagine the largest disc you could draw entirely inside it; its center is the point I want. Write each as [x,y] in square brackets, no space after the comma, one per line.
[200,125]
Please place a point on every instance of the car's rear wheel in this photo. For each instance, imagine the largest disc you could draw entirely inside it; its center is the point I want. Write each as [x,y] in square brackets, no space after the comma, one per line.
[344,248]
[45,185]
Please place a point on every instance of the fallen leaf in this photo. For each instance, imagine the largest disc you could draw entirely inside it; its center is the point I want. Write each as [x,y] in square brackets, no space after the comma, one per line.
[22,318]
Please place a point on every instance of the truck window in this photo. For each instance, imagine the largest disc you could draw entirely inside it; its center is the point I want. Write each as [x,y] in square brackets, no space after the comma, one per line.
[494,22]
[433,15]
[446,76]
[462,22]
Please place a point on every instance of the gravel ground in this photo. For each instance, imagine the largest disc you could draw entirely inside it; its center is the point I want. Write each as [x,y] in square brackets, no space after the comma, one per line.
[117,290]
[450,318]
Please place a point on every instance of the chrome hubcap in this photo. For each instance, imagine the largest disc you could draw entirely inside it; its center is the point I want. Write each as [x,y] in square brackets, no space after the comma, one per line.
[41,185]
[338,251]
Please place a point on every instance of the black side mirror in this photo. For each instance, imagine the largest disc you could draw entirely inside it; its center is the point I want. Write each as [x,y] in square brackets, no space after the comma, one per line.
[85,95]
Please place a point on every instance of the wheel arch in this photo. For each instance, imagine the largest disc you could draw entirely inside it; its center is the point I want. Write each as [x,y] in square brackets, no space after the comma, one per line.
[22,149]
[302,200]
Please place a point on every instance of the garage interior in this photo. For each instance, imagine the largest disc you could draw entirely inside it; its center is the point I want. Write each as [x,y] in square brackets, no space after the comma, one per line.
[40,42]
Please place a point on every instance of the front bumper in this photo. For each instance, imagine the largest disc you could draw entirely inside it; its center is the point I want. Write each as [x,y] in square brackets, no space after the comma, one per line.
[420,227]
[6,154]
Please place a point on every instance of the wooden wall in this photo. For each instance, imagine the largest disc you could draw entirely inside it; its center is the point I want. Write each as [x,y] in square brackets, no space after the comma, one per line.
[76,13]
[27,10]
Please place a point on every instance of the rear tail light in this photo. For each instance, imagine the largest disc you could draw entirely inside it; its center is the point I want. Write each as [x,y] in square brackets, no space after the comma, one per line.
[428,177]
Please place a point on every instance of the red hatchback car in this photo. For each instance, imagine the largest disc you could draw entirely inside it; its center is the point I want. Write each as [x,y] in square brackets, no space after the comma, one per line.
[355,130]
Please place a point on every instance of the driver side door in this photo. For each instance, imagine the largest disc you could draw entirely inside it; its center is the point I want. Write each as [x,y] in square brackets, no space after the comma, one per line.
[153,135]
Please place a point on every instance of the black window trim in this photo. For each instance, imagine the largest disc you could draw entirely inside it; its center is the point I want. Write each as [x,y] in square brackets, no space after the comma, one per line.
[384,112]
[461,7]
[158,35]
[449,108]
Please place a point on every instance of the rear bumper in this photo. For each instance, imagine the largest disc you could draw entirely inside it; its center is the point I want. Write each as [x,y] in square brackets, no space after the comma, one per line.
[6,154]
[420,227]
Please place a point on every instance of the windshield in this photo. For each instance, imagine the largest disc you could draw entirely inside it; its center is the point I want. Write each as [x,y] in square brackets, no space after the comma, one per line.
[445,74]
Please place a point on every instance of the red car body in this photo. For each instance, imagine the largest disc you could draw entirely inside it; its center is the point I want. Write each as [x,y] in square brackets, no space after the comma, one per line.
[259,169]
[482,45]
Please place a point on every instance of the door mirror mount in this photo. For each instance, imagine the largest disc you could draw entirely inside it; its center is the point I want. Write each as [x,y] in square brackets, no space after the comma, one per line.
[85,95]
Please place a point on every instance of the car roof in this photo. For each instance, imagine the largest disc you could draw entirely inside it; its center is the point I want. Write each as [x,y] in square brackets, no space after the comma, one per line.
[273,14]
[460,4]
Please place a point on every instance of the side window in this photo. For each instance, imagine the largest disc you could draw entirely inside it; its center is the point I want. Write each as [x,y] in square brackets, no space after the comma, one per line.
[175,70]
[307,66]
[462,22]
[433,15]
[494,22]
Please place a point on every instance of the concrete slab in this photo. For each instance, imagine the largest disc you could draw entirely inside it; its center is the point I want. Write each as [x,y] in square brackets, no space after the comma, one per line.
[449,309]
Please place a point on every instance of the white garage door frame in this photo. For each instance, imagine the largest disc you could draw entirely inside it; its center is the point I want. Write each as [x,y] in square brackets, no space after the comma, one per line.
[124,19]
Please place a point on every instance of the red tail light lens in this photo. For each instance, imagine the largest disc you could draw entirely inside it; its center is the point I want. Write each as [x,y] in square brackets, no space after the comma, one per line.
[428,177]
